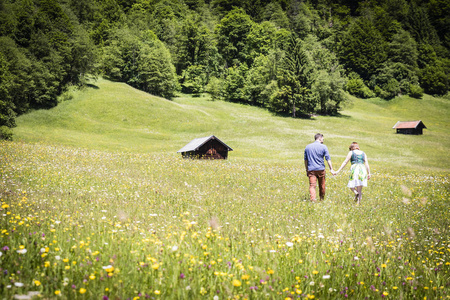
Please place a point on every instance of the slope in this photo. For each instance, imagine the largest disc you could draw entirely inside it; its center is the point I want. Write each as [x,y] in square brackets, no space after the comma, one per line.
[113,116]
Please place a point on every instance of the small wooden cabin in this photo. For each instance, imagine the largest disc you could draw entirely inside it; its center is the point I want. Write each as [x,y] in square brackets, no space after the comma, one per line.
[410,127]
[209,147]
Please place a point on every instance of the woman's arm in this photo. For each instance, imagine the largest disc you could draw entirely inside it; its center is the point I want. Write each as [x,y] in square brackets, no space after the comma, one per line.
[349,155]
[366,163]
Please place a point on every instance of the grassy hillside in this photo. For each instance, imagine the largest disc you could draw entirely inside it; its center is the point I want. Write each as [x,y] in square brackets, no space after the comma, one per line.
[115,117]
[96,204]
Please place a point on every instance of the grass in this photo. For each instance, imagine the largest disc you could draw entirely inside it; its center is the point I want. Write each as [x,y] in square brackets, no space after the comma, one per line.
[96,203]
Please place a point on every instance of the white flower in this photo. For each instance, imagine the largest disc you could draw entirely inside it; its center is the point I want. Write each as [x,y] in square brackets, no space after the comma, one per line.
[289,244]
[356,258]
[8,286]
[57,222]
[326,276]
[22,251]
[311,283]
[339,230]
[188,288]
[42,250]
[1,253]
[57,257]
[103,210]
[22,297]
[107,267]
[320,236]
[18,284]
[103,218]
[216,297]
[153,215]
[174,248]
[273,251]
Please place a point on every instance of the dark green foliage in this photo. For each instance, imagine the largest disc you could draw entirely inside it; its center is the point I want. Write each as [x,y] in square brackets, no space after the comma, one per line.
[232,35]
[233,85]
[142,61]
[289,56]
[6,133]
[357,87]
[363,48]
[415,91]
[434,79]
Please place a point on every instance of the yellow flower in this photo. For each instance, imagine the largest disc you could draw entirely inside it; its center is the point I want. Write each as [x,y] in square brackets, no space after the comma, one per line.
[245,277]
[298,291]
[155,266]
[57,292]
[383,265]
[385,293]
[67,267]
[394,287]
[236,282]
[315,272]
[157,292]
[92,277]
[82,291]
[37,283]
[65,260]
[47,264]
[270,272]
[311,296]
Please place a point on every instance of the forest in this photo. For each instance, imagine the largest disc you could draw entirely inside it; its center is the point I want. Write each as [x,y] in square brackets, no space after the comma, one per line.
[291,57]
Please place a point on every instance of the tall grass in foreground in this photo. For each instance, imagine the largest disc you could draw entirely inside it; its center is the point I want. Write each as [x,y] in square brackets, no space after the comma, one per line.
[86,224]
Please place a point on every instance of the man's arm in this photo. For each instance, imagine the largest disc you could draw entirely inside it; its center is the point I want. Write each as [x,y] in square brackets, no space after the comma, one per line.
[330,165]
[306,166]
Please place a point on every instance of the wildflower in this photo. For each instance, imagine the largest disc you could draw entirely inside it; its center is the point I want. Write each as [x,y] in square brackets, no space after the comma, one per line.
[22,251]
[326,276]
[203,291]
[37,282]
[182,276]
[236,283]
[57,292]
[92,277]
[155,266]
[18,284]
[298,291]
[82,290]
[315,272]
[157,292]
[174,248]
[383,265]
[245,277]
[385,293]
[108,268]
[289,244]
[394,287]
[311,283]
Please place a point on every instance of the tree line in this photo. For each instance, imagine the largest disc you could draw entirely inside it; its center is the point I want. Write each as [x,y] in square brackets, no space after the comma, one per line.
[293,57]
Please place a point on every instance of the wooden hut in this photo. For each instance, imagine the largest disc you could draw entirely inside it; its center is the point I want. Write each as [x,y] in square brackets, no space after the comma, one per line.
[410,127]
[209,147]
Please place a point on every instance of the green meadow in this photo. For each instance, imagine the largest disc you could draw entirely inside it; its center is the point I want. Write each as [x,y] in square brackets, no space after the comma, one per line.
[97,204]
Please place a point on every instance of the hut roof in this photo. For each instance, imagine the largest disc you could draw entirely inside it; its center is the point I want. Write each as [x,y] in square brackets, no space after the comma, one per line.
[409,124]
[195,144]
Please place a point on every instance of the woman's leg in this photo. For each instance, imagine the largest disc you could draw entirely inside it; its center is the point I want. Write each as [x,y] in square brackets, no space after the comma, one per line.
[359,190]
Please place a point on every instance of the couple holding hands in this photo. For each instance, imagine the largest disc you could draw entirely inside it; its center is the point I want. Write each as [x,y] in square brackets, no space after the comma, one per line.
[315,168]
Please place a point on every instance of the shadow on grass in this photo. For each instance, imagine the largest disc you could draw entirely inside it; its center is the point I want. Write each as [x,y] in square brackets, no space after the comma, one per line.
[311,117]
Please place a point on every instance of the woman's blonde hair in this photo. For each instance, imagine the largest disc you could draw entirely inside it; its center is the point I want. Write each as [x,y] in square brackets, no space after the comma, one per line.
[353,146]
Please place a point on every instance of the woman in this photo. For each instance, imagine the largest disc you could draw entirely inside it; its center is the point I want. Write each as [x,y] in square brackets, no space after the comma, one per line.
[359,171]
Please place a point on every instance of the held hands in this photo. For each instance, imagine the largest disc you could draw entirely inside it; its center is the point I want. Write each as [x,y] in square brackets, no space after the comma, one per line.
[334,172]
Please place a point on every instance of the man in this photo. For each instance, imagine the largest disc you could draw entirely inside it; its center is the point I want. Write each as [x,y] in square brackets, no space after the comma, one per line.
[315,166]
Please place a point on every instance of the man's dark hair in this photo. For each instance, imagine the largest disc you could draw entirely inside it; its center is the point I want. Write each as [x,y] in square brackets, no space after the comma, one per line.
[318,135]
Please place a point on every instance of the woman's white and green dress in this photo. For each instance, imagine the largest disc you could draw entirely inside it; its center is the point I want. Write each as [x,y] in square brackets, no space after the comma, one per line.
[358,171]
